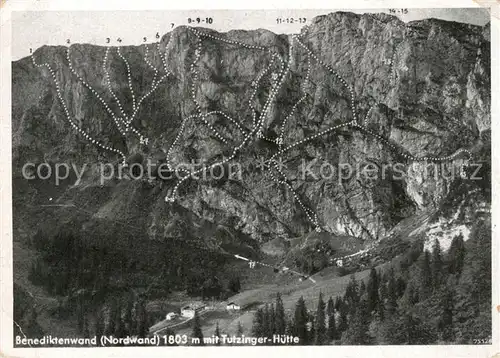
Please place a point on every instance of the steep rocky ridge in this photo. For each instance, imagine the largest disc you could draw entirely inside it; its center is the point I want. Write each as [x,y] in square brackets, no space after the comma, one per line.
[424,86]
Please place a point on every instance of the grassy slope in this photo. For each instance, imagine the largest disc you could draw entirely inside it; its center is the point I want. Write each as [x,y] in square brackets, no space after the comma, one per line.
[327,282]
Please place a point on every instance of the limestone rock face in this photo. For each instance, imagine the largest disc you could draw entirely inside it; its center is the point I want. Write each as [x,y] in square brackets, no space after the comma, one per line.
[422,87]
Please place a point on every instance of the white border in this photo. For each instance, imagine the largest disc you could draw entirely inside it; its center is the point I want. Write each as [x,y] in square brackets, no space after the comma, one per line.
[6,274]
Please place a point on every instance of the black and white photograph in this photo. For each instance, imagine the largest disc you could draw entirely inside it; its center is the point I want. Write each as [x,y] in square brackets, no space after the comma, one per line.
[233,178]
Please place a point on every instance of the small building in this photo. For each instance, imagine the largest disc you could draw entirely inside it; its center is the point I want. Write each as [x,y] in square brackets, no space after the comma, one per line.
[231,306]
[339,262]
[187,312]
[200,308]
[171,316]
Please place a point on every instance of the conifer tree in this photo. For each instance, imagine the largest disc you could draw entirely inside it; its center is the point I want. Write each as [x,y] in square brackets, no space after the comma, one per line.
[312,332]
[234,284]
[320,333]
[197,333]
[445,325]
[413,331]
[332,327]
[357,331]
[456,255]
[111,326]
[391,293]
[351,297]
[272,320]
[300,321]
[280,321]
[343,321]
[380,278]
[121,331]
[134,319]
[258,324]
[128,317]
[142,320]
[289,330]
[425,279]
[86,332]
[473,302]
[380,313]
[410,297]
[338,303]
[362,289]
[267,321]
[81,315]
[436,265]
[330,307]
[372,291]
[217,334]
[99,326]
[382,289]
[400,286]
[382,297]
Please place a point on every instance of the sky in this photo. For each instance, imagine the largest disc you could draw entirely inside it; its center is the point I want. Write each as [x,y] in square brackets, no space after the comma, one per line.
[33,29]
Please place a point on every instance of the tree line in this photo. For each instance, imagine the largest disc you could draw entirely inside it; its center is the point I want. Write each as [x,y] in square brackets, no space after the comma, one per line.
[424,297]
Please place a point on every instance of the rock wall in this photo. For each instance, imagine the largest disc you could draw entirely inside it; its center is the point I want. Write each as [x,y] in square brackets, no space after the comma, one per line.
[418,89]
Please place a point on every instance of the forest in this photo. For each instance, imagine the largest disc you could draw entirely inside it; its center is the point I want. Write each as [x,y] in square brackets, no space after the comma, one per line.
[69,262]
[419,297]
[424,297]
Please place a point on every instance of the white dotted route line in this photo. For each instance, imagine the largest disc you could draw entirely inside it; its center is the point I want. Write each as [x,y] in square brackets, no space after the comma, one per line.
[353,123]
[255,86]
[154,86]
[410,156]
[307,139]
[312,216]
[393,64]
[228,117]
[197,55]
[280,139]
[232,42]
[146,52]
[125,120]
[164,57]
[201,34]
[66,111]
[274,91]
[129,76]
[118,121]
[90,88]
[333,72]
[309,213]
[183,124]
[368,113]
[177,138]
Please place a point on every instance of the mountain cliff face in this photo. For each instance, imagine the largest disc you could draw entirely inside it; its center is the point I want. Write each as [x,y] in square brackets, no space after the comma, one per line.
[410,91]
